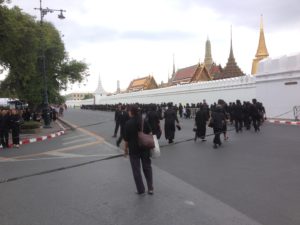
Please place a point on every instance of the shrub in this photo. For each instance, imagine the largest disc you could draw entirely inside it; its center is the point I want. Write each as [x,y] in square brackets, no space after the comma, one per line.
[29,125]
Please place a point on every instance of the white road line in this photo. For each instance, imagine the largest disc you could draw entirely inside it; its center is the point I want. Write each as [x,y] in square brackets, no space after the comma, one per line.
[74,137]
[62,154]
[71,156]
[2,159]
[80,140]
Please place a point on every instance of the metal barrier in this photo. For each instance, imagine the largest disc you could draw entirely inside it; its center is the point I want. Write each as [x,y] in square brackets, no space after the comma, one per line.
[296,110]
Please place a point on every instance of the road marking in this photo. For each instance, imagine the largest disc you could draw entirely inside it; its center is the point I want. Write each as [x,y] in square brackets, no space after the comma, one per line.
[84,130]
[79,140]
[3,159]
[191,203]
[67,156]
[59,150]
[74,137]
[61,154]
[99,140]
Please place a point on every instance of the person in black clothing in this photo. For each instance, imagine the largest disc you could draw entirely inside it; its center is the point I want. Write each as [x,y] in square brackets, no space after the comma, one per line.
[170,118]
[180,110]
[5,128]
[246,113]
[122,118]
[200,122]
[15,122]
[137,155]
[117,113]
[238,116]
[27,115]
[255,115]
[218,120]
[152,122]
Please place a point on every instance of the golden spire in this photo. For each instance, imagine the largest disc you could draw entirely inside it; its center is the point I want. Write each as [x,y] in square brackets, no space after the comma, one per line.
[262,51]
[262,48]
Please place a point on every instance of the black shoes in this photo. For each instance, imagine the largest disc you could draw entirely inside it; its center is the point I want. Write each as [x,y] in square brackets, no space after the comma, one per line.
[150,192]
[171,141]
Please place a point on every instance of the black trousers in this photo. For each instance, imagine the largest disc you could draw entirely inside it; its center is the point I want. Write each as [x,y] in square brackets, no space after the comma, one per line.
[256,123]
[217,139]
[4,139]
[238,124]
[201,131]
[16,136]
[135,161]
[116,128]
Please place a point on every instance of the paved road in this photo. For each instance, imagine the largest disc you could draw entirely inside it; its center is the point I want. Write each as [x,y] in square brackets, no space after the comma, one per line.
[252,179]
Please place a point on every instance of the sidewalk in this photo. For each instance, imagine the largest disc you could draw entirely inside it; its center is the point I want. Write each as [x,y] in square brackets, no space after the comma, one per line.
[57,129]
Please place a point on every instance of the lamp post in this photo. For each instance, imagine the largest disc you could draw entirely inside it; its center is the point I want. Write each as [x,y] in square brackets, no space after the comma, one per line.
[43,12]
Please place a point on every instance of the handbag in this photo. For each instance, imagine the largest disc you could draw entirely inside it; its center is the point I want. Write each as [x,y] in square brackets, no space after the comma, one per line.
[155,152]
[145,140]
[211,122]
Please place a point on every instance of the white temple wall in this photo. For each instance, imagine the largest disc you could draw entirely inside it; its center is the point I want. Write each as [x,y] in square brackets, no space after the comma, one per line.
[229,90]
[77,103]
[278,85]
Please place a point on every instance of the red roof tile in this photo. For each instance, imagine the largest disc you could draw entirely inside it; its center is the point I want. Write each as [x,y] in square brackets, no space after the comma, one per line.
[185,73]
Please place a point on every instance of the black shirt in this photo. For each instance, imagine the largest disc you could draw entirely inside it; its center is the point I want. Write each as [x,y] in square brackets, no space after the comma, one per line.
[132,127]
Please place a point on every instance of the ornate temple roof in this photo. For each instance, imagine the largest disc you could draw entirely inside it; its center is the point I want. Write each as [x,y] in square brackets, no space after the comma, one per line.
[215,71]
[231,69]
[184,74]
[143,83]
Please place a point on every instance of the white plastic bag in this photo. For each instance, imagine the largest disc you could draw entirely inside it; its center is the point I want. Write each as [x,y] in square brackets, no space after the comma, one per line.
[155,152]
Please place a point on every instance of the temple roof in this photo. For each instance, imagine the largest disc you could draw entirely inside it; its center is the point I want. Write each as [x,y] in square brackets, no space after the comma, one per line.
[141,83]
[185,73]
[215,71]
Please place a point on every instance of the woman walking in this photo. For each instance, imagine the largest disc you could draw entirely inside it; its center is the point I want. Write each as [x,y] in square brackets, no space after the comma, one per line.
[137,155]
[218,120]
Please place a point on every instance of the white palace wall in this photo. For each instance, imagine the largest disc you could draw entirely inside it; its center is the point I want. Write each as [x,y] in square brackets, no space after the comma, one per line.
[229,90]
[277,85]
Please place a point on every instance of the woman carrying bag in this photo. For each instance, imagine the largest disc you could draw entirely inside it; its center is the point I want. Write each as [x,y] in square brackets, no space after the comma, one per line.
[138,155]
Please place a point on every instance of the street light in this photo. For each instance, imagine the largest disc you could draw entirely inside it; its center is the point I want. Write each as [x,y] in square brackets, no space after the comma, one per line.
[43,12]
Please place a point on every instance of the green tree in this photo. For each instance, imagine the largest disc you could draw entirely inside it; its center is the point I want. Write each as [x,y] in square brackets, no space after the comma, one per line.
[22,40]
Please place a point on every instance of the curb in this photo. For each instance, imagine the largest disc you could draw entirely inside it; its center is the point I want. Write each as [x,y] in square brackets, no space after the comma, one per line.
[72,127]
[286,122]
[42,138]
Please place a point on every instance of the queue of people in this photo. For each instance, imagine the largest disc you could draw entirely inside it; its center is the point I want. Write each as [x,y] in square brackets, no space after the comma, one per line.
[146,118]
[217,116]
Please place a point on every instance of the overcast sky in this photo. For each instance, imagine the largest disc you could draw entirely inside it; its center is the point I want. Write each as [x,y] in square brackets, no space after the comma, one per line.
[123,40]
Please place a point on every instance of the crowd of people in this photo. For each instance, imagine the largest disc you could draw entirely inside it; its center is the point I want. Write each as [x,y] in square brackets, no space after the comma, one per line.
[242,115]
[146,118]
[12,119]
